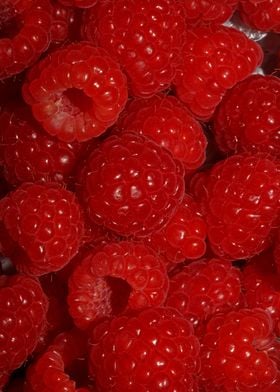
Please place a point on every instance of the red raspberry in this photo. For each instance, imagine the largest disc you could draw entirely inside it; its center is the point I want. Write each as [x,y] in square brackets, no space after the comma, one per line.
[131,185]
[27,153]
[235,352]
[11,8]
[46,224]
[79,3]
[143,35]
[23,307]
[248,118]
[30,33]
[92,297]
[214,59]
[241,204]
[165,120]
[76,92]
[205,288]
[150,351]
[183,237]
[63,18]
[262,15]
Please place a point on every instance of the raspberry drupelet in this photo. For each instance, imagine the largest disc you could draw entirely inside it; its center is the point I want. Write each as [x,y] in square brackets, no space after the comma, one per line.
[262,15]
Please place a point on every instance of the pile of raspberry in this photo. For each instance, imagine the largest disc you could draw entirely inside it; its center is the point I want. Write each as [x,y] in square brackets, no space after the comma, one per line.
[139,196]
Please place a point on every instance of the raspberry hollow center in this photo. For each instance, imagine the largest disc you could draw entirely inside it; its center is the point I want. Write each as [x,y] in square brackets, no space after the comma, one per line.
[76,101]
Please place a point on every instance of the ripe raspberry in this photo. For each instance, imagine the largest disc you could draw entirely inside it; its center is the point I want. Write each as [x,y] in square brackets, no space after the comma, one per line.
[76,92]
[27,153]
[92,297]
[78,3]
[63,18]
[23,307]
[46,224]
[262,15]
[241,204]
[235,352]
[150,351]
[131,185]
[183,237]
[165,120]
[248,118]
[144,36]
[11,8]
[214,59]
[28,36]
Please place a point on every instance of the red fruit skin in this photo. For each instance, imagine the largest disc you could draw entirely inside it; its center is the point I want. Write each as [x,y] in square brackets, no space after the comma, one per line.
[239,197]
[131,185]
[248,118]
[156,347]
[76,92]
[144,36]
[45,224]
[262,15]
[78,3]
[214,58]
[63,18]
[235,352]
[23,307]
[32,39]
[166,121]
[11,8]
[90,295]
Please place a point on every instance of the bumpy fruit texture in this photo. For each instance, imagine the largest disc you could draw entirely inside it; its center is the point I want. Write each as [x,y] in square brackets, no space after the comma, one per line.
[63,18]
[214,58]
[144,36]
[248,118]
[148,351]
[45,223]
[240,198]
[76,92]
[131,185]
[261,14]
[79,3]
[90,295]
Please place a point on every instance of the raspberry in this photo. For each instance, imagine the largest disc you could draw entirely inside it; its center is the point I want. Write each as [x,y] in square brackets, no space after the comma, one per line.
[27,153]
[92,297]
[76,92]
[241,204]
[46,224]
[248,118]
[235,352]
[23,306]
[150,351]
[131,185]
[143,35]
[262,15]
[63,18]
[183,237]
[214,59]
[11,8]
[165,120]
[78,3]
[30,33]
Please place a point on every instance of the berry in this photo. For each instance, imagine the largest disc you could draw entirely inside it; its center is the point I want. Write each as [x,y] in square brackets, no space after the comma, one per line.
[214,58]
[262,15]
[23,306]
[76,92]
[240,200]
[63,18]
[131,185]
[166,121]
[92,297]
[46,224]
[78,3]
[11,8]
[152,350]
[144,36]
[248,118]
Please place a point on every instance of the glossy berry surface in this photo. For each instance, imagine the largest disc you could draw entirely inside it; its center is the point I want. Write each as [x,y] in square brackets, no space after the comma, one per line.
[144,345]
[84,101]
[131,185]
[261,14]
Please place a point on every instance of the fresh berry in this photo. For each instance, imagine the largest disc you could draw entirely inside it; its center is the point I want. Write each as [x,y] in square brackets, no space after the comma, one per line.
[150,351]
[240,198]
[91,296]
[248,118]
[46,224]
[165,120]
[27,153]
[11,8]
[235,352]
[78,3]
[214,58]
[76,92]
[131,185]
[63,18]
[144,36]
[262,15]
[23,307]
[28,36]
